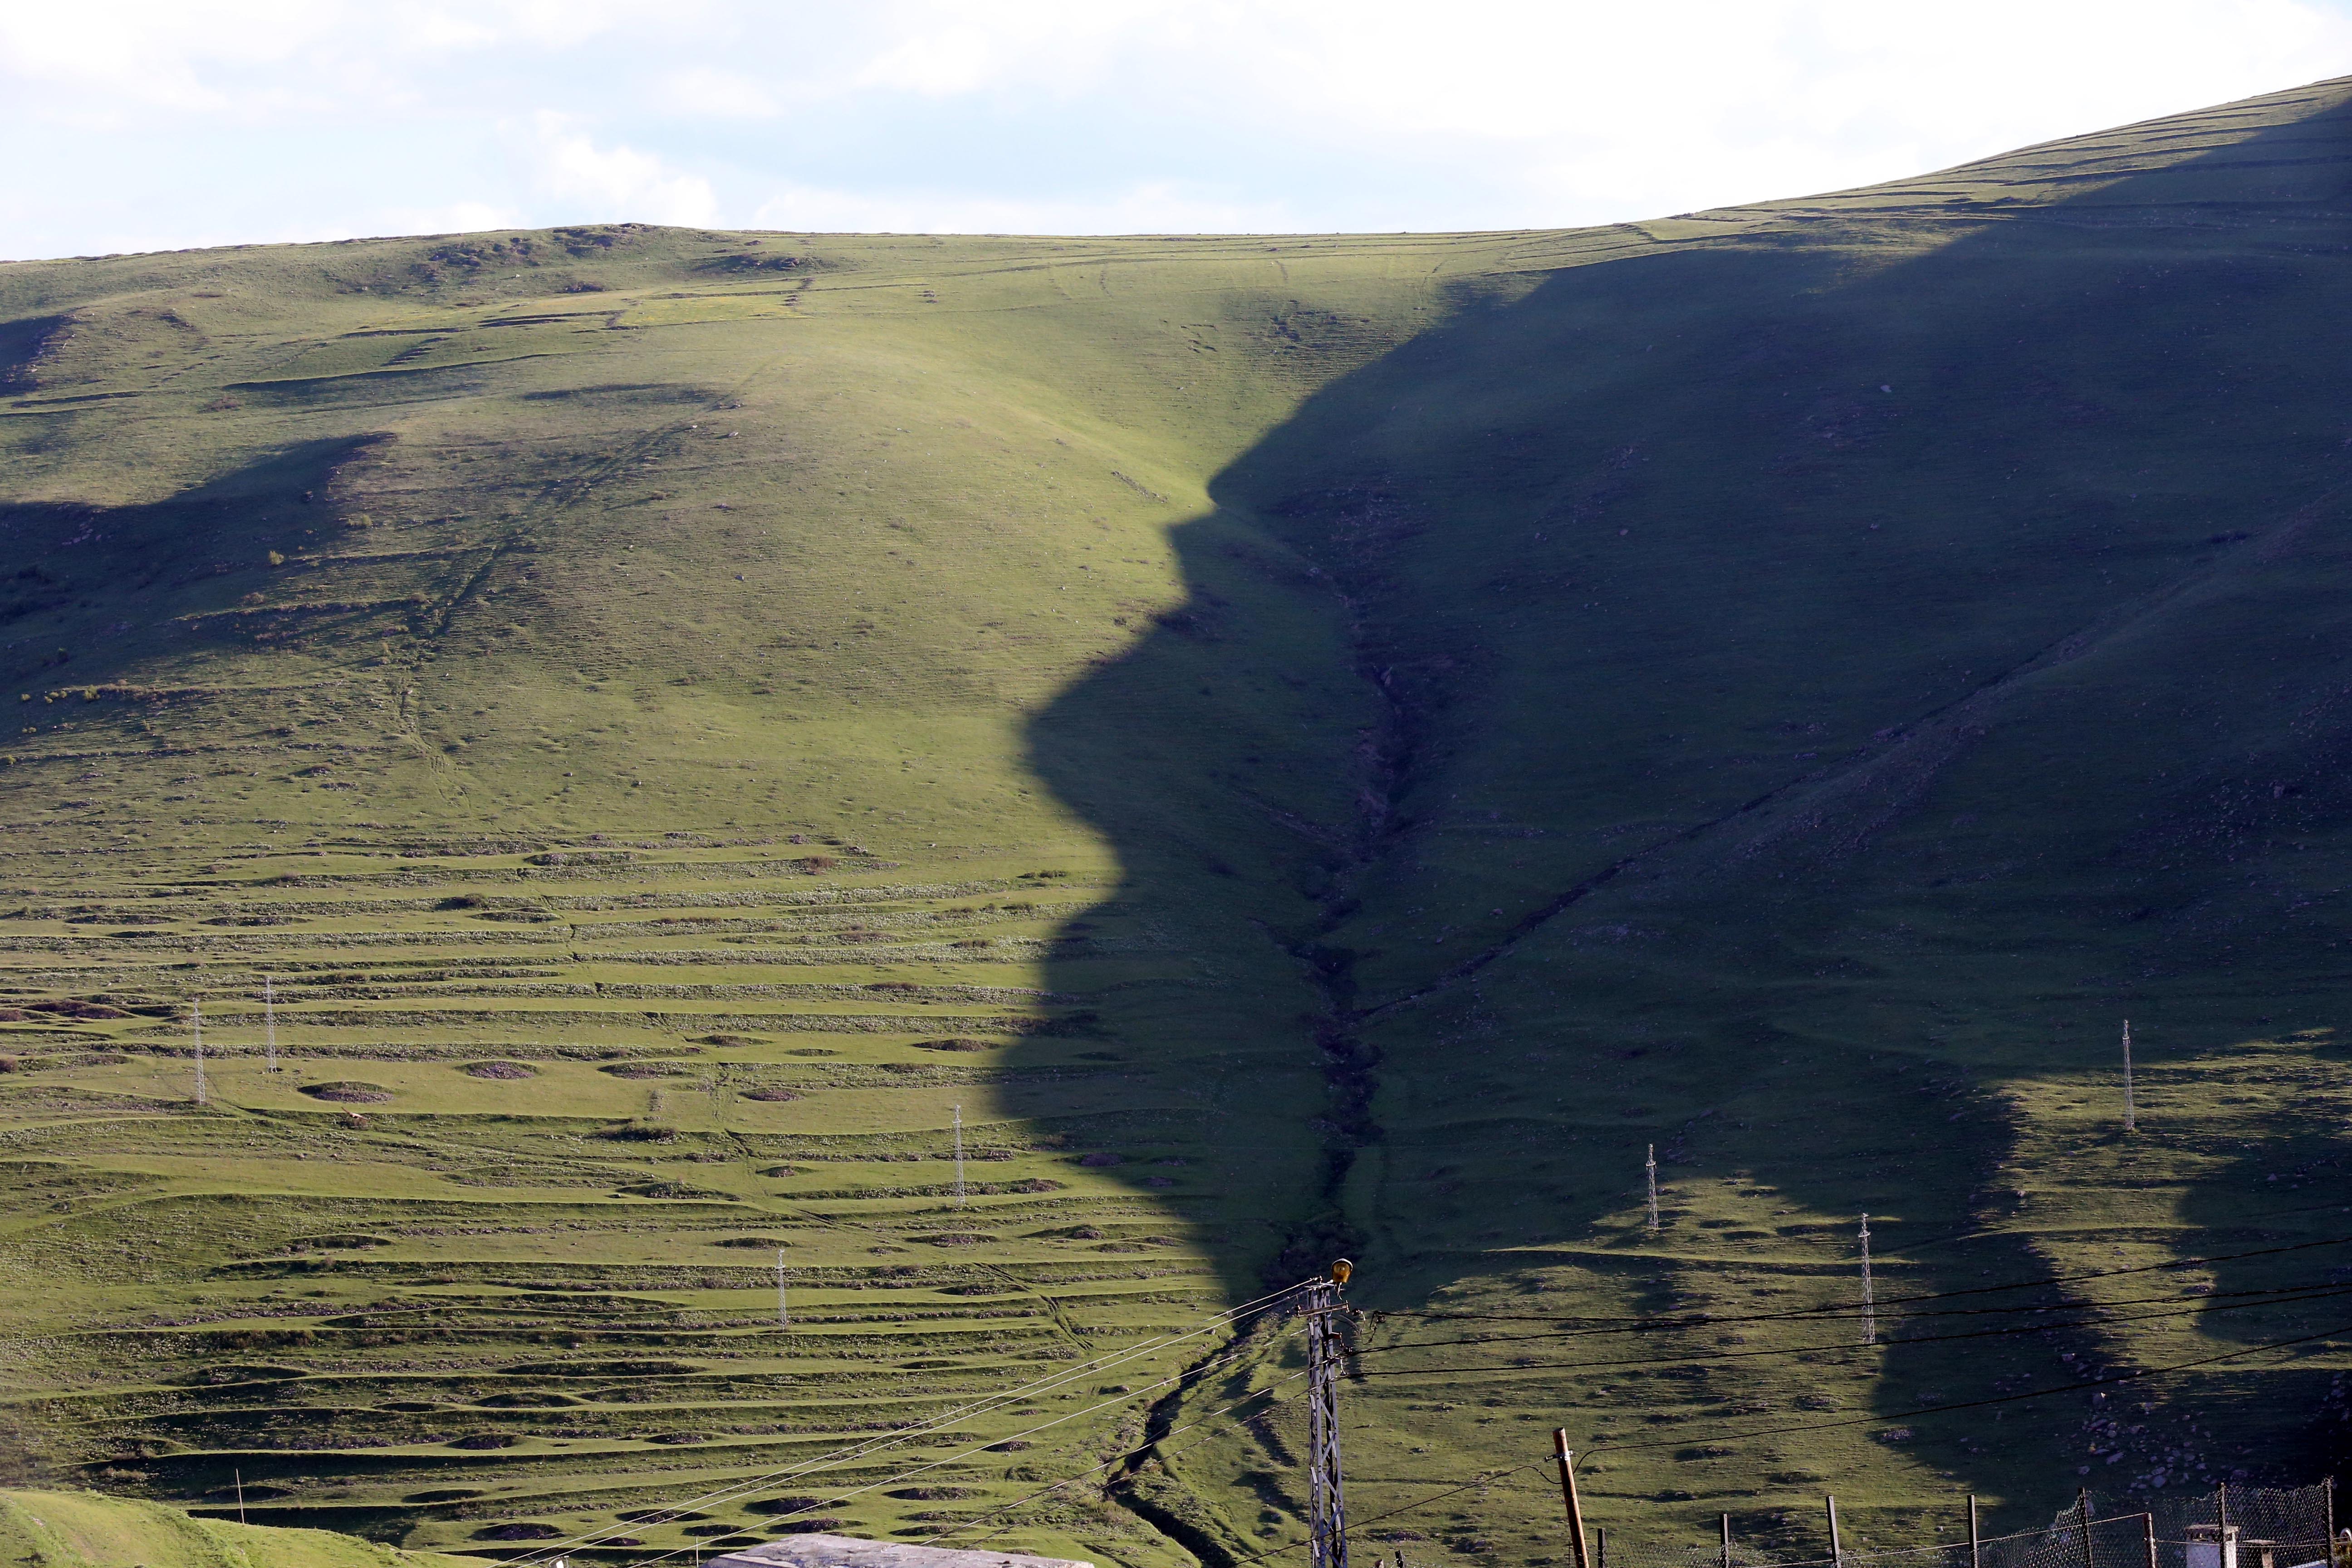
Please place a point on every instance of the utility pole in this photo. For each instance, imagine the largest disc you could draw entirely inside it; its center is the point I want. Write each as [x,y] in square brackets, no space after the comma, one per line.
[1574,1505]
[269,1019]
[784,1316]
[1869,1300]
[2131,1121]
[959,1141]
[1650,1169]
[1837,1548]
[1976,1545]
[1727,1541]
[198,1021]
[1327,1507]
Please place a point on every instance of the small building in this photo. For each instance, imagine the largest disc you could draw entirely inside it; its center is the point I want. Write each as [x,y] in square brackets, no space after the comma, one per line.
[849,1551]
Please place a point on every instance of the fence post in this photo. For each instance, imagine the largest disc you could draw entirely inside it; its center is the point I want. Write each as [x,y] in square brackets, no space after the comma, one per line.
[1837,1550]
[1600,1536]
[2082,1515]
[2148,1524]
[1568,1495]
[1727,1541]
[1976,1548]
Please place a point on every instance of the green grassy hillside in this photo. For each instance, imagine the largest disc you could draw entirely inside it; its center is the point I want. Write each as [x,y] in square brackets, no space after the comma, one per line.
[80,1530]
[1311,743]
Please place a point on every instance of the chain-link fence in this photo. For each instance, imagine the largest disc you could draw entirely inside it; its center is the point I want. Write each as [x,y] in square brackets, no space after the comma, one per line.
[2236,1527]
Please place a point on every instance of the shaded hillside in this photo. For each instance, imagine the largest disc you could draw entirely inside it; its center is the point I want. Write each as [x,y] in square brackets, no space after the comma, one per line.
[1310,744]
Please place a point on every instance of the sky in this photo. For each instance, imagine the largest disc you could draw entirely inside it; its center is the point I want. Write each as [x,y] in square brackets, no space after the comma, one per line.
[131,125]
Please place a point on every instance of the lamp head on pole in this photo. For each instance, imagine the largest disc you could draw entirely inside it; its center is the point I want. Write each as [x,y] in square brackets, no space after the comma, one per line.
[1341,1271]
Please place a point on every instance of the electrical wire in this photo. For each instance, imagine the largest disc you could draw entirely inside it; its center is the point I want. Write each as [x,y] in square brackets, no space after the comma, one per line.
[736,1490]
[1490,1477]
[1415,1371]
[1067,1480]
[2286,1295]
[1151,1447]
[2197,1310]
[1652,1324]
[1594,1326]
[984,1405]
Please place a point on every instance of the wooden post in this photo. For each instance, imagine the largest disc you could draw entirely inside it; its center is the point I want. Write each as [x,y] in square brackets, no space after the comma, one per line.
[1837,1550]
[1601,1539]
[1976,1544]
[1567,1495]
[2082,1519]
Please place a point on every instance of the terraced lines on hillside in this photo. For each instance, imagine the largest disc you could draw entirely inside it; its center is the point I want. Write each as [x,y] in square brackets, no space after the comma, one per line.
[508,1267]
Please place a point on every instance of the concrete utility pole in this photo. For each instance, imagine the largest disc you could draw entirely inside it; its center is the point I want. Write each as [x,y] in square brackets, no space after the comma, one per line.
[269,1019]
[1327,1507]
[197,1020]
[959,1141]
[1869,1299]
[2131,1122]
[1650,1169]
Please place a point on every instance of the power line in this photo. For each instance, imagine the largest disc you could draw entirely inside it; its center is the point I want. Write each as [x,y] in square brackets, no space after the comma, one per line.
[1152,1445]
[1592,1327]
[2315,1293]
[1067,1480]
[1489,1477]
[2285,1294]
[984,1405]
[761,1482]
[2199,1308]
[1701,1319]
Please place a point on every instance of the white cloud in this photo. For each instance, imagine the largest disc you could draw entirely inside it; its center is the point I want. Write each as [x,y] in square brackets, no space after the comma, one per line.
[1069,115]
[615,182]
[720,94]
[1060,48]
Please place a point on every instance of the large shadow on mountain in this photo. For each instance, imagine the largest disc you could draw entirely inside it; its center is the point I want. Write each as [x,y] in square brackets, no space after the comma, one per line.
[1799,677]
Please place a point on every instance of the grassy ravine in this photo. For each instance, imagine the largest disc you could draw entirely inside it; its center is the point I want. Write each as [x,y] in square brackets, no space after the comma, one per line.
[1314,744]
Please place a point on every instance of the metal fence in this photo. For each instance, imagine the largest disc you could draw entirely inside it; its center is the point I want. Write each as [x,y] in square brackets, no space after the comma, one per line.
[2235,1527]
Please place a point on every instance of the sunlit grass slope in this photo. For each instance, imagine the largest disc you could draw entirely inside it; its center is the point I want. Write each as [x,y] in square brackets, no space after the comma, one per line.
[83,1530]
[1303,743]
